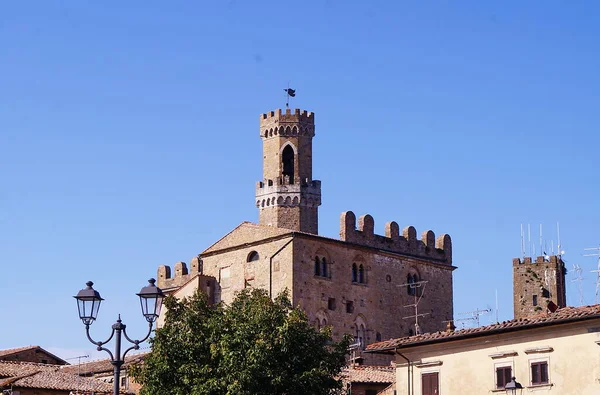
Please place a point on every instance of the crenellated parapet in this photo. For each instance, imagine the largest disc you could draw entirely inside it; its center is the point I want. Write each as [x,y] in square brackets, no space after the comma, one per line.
[281,192]
[428,247]
[554,259]
[288,123]
[168,279]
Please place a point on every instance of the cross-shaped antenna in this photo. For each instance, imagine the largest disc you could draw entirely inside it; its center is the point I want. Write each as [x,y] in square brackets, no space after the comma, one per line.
[597,271]
[577,269]
[418,288]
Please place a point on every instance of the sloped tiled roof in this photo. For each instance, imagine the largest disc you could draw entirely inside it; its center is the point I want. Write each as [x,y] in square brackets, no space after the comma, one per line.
[248,232]
[43,376]
[561,316]
[369,374]
[12,351]
[100,365]
[15,368]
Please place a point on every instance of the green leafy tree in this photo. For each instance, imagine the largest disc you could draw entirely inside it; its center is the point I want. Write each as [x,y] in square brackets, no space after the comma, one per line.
[253,346]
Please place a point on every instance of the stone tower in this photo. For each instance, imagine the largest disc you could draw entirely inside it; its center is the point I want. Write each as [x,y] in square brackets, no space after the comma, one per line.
[288,197]
[538,283]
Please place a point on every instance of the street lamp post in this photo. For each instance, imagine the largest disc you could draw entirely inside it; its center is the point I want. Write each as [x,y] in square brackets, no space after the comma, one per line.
[88,303]
[512,386]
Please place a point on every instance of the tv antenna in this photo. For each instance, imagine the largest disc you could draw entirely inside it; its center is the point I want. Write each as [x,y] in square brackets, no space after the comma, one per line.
[577,269]
[475,314]
[78,358]
[597,271]
[416,288]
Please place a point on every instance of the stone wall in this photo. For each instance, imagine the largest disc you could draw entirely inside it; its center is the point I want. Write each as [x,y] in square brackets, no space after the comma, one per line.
[378,303]
[536,283]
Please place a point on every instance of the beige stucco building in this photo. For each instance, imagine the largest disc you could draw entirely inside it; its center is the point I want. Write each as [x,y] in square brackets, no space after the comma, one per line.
[554,353]
[360,283]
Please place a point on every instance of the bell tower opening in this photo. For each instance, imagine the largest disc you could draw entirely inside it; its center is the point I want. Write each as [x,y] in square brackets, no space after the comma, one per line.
[287,159]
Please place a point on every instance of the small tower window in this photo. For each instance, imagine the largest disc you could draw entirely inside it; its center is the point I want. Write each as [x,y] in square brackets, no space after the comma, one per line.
[252,256]
[361,274]
[412,286]
[354,273]
[317,267]
[287,158]
[324,267]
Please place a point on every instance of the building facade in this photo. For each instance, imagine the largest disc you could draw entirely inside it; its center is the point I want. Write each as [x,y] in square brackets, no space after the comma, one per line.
[554,353]
[360,284]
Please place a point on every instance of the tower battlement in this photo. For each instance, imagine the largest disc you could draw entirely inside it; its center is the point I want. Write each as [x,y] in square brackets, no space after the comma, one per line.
[287,124]
[536,283]
[540,259]
[278,193]
[287,116]
[428,247]
[167,279]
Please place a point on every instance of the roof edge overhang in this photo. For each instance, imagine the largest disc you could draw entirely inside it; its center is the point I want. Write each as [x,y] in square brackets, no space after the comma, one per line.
[467,336]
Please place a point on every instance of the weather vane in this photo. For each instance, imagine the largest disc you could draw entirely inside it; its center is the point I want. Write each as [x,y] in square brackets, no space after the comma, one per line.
[289,92]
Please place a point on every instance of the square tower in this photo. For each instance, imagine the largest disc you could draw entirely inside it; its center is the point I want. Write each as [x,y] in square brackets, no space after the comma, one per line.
[288,197]
[536,284]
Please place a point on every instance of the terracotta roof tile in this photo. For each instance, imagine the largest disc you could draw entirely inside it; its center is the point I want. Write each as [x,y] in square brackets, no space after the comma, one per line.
[11,351]
[43,376]
[16,368]
[564,315]
[100,365]
[369,374]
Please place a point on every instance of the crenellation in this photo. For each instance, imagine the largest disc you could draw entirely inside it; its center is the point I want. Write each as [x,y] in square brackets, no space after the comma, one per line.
[427,247]
[392,230]
[366,225]
[182,274]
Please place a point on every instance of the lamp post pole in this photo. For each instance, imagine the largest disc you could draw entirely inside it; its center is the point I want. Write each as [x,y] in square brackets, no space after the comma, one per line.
[88,303]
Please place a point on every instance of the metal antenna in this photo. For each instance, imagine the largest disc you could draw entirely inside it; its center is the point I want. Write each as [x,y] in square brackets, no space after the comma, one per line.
[522,242]
[597,271]
[529,238]
[475,315]
[419,289]
[577,269]
[78,358]
[497,305]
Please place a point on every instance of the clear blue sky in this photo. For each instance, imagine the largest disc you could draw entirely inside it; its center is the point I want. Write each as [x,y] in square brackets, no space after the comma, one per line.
[129,137]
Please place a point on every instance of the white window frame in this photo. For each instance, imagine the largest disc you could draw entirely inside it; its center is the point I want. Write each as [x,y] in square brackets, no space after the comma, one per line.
[502,365]
[535,360]
[428,371]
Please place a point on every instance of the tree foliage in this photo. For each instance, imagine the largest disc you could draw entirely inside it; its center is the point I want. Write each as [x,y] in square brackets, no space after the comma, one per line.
[253,346]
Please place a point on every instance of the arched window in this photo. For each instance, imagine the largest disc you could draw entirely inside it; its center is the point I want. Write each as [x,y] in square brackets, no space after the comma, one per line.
[413,287]
[354,273]
[324,267]
[361,274]
[410,287]
[361,332]
[317,267]
[287,158]
[252,256]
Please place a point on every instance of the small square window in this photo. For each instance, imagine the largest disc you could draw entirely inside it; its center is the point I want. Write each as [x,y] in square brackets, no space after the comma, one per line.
[349,307]
[331,304]
[539,373]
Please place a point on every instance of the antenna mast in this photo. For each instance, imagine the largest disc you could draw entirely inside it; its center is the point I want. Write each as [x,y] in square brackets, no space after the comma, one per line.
[597,271]
[475,314]
[418,288]
[577,269]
